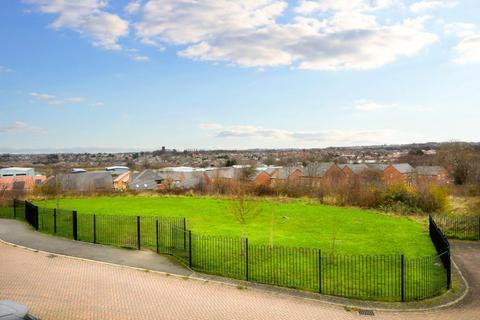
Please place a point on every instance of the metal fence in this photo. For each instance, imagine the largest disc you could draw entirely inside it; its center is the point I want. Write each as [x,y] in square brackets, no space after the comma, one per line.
[380,277]
[459,227]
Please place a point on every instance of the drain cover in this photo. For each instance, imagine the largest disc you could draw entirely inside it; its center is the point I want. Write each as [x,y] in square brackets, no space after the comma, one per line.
[364,312]
[51,256]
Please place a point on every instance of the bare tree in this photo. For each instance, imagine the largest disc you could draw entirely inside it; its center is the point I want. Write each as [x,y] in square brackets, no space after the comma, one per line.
[270,235]
[3,193]
[243,208]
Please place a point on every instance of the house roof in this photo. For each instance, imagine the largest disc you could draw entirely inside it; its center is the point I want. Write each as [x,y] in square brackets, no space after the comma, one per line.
[355,167]
[147,179]
[403,167]
[285,172]
[17,169]
[317,169]
[225,173]
[191,179]
[124,177]
[84,181]
[428,170]
[257,173]
[377,166]
[116,167]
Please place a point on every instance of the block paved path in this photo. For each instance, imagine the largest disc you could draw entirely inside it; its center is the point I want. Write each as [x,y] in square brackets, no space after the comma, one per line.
[20,233]
[57,287]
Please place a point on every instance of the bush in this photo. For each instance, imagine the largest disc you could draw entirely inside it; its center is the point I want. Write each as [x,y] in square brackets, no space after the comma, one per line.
[424,198]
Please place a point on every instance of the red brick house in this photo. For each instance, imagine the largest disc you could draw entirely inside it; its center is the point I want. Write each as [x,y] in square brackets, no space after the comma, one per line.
[352,171]
[264,177]
[286,175]
[432,174]
[399,173]
[324,173]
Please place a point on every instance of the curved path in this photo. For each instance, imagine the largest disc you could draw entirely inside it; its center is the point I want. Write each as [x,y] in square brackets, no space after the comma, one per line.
[17,232]
[58,287]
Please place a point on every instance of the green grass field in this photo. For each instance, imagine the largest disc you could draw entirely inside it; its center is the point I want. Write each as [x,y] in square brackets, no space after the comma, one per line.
[359,256]
[298,223]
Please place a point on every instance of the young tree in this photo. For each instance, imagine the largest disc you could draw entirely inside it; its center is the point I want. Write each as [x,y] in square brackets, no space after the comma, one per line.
[3,193]
[243,208]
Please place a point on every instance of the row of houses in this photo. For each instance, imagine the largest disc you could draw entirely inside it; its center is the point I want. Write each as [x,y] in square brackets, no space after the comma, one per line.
[184,178]
[313,175]
[317,173]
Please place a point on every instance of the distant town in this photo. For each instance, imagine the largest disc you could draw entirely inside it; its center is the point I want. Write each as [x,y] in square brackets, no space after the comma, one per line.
[165,157]
[169,169]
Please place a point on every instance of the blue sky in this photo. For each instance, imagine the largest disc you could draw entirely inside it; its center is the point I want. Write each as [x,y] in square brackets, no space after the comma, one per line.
[132,75]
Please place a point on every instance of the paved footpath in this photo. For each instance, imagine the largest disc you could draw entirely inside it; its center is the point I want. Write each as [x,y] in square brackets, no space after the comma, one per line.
[57,287]
[20,233]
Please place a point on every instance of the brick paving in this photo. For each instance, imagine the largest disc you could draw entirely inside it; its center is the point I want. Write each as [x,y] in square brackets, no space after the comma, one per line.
[57,287]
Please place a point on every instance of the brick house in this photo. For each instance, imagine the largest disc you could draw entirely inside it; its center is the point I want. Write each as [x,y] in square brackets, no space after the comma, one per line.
[432,174]
[352,171]
[20,184]
[322,174]
[264,176]
[399,173]
[286,175]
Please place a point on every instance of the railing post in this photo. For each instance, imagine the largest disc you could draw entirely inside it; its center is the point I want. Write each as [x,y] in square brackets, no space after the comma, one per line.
[184,234]
[35,217]
[156,235]
[94,228]
[55,220]
[319,271]
[403,277]
[478,228]
[246,259]
[190,260]
[449,270]
[74,225]
[138,233]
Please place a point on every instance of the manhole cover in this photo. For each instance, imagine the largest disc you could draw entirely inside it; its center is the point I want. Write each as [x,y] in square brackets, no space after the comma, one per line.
[366,312]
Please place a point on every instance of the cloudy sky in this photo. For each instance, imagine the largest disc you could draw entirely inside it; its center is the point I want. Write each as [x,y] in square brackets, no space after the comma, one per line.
[129,75]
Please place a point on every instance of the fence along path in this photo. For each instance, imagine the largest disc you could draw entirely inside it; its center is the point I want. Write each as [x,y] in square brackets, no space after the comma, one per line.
[380,277]
[459,227]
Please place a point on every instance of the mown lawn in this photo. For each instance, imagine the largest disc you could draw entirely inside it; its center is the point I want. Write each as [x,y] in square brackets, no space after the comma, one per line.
[297,223]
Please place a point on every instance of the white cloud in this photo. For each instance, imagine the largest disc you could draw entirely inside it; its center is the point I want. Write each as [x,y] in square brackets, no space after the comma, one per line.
[54,100]
[366,49]
[140,58]
[210,125]
[343,35]
[133,7]
[98,104]
[330,137]
[460,29]
[315,6]
[186,21]
[86,17]
[467,50]
[369,106]
[425,5]
[18,127]
[4,69]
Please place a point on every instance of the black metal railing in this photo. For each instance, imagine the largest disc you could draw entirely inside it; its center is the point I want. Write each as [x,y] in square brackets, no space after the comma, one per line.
[442,246]
[459,227]
[380,277]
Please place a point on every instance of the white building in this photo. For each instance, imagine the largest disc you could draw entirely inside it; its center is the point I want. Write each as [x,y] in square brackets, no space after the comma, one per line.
[117,169]
[17,172]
